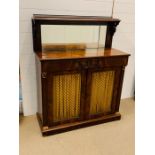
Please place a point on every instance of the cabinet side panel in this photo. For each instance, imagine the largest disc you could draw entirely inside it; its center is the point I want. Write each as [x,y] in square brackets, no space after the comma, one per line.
[120,88]
[39,87]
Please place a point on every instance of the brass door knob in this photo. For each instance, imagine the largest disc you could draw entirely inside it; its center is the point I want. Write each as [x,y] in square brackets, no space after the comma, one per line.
[44,75]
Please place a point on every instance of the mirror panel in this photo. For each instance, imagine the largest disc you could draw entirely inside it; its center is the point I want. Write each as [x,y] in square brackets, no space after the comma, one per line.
[72,36]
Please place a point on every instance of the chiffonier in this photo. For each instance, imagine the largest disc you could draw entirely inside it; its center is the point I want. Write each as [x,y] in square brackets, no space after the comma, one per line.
[79,83]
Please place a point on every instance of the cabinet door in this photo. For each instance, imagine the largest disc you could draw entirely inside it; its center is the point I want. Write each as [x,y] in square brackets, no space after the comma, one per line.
[66,92]
[102,91]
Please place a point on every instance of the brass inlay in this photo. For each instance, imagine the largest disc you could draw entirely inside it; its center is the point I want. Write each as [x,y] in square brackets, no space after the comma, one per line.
[66,96]
[101,92]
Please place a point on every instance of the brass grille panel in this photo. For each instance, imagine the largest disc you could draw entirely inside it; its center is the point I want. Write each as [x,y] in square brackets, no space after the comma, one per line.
[101,92]
[66,96]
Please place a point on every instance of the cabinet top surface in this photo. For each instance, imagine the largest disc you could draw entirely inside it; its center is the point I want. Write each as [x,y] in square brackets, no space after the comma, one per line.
[78,54]
[73,18]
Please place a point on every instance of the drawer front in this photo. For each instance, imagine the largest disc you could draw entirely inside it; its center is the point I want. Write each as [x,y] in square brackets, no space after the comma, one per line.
[80,64]
[107,62]
[64,65]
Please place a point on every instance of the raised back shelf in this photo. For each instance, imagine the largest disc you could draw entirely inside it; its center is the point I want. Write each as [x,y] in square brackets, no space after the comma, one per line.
[71,19]
[39,20]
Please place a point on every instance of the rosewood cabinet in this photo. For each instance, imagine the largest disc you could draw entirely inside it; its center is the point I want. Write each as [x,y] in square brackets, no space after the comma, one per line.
[77,88]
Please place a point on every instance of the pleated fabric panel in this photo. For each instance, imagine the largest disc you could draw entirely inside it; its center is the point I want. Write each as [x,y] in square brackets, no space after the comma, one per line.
[101,92]
[66,96]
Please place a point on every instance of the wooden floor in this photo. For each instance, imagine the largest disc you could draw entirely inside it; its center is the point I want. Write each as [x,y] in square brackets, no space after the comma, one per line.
[113,138]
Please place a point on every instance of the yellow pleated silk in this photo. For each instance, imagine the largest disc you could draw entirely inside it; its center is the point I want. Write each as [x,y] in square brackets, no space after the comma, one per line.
[66,96]
[101,92]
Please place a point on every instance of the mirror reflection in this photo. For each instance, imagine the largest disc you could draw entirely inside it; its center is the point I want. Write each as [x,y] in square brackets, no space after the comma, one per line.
[62,37]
